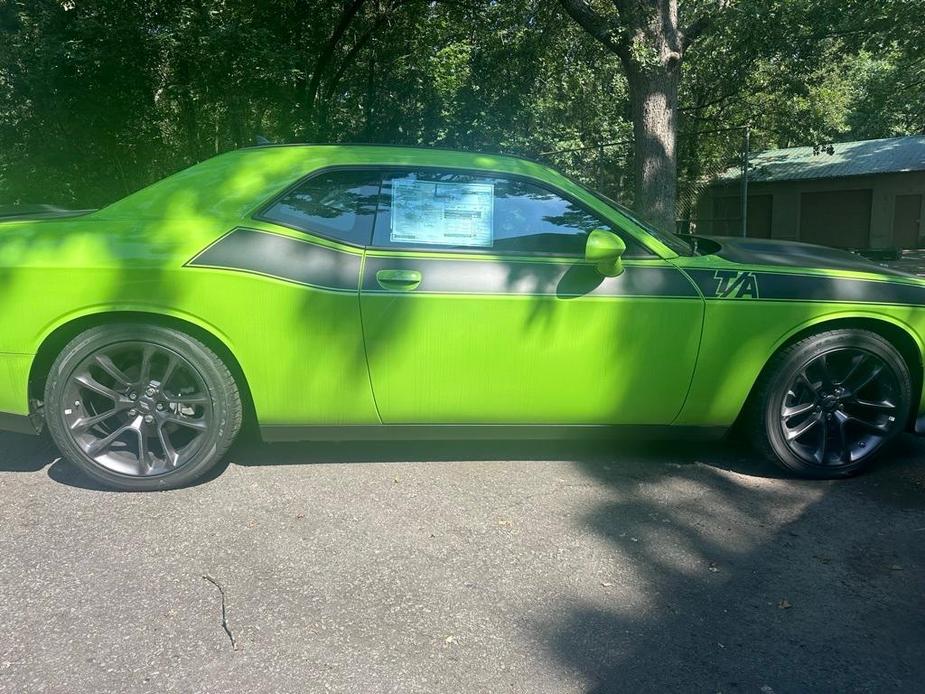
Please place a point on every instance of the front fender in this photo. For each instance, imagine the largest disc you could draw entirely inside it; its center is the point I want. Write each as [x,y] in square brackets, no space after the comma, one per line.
[740,337]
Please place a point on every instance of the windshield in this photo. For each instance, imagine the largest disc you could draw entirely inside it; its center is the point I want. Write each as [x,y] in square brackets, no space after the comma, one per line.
[673,241]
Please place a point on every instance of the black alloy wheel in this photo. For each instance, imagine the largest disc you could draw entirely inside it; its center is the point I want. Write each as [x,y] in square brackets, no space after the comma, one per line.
[830,403]
[141,407]
[840,407]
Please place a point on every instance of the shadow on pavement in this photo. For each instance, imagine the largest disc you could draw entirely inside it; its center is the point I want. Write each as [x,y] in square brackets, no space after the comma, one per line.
[728,454]
[784,585]
[21,453]
[31,454]
[661,456]
[708,571]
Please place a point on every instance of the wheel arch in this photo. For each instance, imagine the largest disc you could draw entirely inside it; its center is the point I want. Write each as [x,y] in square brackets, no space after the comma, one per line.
[896,332]
[57,338]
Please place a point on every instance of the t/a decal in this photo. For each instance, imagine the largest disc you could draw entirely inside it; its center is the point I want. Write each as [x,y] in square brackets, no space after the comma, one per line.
[738,285]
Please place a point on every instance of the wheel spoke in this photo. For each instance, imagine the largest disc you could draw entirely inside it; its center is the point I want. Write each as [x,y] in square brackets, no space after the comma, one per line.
[144,372]
[197,424]
[824,367]
[90,383]
[808,424]
[841,421]
[170,453]
[865,377]
[884,405]
[169,370]
[794,410]
[84,423]
[192,399]
[823,445]
[873,427]
[804,378]
[856,363]
[99,445]
[107,365]
[145,465]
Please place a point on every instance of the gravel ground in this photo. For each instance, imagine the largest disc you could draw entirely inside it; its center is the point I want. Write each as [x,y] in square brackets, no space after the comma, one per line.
[450,567]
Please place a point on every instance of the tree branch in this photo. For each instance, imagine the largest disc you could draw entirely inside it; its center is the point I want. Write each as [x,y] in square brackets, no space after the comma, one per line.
[694,30]
[702,24]
[596,25]
[475,7]
[327,53]
[350,58]
[708,104]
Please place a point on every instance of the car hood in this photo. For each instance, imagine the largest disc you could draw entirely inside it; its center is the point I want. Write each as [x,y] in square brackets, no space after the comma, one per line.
[792,254]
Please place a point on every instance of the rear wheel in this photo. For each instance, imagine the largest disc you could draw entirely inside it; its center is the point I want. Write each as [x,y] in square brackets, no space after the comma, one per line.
[141,407]
[830,403]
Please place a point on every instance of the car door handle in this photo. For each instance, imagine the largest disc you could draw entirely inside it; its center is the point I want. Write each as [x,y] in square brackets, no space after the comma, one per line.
[406,280]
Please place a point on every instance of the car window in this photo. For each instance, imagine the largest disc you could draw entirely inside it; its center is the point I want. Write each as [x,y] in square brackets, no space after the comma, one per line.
[681,245]
[337,204]
[472,213]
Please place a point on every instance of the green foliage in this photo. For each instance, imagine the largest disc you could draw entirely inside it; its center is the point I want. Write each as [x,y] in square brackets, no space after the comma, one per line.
[889,97]
[100,97]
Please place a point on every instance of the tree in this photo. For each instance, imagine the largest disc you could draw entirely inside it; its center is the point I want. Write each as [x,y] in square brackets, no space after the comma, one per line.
[650,42]
[98,98]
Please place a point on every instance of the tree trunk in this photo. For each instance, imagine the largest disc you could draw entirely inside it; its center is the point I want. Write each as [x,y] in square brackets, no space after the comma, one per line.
[646,37]
[323,60]
[654,97]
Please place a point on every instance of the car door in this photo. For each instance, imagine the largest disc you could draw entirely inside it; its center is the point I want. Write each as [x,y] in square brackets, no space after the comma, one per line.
[479,308]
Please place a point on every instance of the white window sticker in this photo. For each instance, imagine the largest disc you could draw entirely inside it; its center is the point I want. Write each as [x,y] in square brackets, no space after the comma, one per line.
[445,214]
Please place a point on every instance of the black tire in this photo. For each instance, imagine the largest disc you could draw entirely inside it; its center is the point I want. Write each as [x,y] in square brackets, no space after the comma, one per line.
[816,413]
[173,430]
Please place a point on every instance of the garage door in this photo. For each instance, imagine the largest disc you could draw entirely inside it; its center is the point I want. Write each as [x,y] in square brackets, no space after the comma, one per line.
[838,218]
[759,216]
[906,221]
[727,217]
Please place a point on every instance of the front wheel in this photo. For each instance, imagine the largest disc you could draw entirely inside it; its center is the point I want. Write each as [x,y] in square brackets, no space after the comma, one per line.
[141,407]
[828,404]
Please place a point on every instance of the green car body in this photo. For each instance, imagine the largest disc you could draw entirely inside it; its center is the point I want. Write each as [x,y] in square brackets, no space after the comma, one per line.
[329,339]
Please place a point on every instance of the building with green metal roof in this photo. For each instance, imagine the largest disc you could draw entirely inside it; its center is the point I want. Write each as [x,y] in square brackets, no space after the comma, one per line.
[864,194]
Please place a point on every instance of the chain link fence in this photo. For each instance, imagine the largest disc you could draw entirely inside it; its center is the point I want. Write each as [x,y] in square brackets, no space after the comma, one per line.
[606,167]
[712,192]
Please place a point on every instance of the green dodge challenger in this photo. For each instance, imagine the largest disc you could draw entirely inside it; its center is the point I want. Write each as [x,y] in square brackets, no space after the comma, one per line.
[344,292]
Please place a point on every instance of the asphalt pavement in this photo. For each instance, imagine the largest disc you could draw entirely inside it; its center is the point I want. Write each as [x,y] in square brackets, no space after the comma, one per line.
[465,567]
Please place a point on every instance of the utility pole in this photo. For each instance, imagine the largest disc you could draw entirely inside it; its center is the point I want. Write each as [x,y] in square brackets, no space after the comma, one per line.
[600,168]
[745,148]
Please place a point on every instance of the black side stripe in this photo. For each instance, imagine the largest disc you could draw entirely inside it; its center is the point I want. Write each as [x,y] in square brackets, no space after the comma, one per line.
[285,258]
[282,257]
[445,276]
[782,286]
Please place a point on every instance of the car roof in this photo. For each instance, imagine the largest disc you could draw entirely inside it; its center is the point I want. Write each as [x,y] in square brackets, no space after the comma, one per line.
[232,184]
[374,147]
[345,154]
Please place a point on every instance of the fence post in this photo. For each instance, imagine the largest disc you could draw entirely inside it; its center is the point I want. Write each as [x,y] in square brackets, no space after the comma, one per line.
[600,168]
[745,149]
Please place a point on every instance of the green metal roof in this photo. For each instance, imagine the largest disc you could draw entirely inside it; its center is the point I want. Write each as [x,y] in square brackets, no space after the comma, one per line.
[864,157]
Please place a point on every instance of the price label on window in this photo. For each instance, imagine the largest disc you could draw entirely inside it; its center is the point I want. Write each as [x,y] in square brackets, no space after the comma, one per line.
[443,214]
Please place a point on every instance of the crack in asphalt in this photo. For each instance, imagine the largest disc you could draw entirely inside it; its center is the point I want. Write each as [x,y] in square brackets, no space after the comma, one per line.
[221,590]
